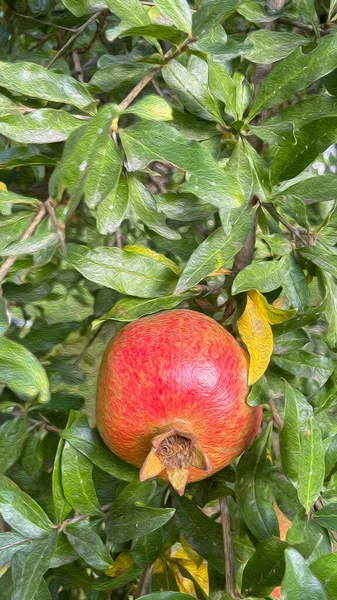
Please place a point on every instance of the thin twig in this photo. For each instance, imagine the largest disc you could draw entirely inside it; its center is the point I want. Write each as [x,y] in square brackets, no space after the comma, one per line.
[149,76]
[272,210]
[58,226]
[228,548]
[277,418]
[144,583]
[44,22]
[9,262]
[77,66]
[87,346]
[74,37]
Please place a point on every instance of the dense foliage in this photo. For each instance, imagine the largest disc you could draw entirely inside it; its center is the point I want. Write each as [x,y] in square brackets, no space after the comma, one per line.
[154,155]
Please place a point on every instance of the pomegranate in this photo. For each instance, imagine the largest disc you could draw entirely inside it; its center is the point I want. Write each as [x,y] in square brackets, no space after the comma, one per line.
[171,397]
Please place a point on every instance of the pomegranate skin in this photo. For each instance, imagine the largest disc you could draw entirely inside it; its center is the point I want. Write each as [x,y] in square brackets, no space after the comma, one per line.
[178,366]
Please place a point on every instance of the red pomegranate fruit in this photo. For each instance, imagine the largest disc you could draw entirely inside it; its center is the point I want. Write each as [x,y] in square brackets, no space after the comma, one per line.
[171,397]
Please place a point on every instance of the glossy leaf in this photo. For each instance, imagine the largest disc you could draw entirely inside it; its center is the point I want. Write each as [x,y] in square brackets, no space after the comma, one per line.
[327,516]
[29,566]
[112,210]
[265,47]
[264,276]
[122,271]
[151,108]
[10,543]
[303,70]
[86,441]
[252,490]
[297,410]
[89,546]
[21,371]
[61,506]
[20,511]
[77,481]
[265,569]
[299,581]
[202,534]
[212,12]
[136,522]
[130,309]
[312,466]
[178,11]
[13,434]
[325,569]
[42,126]
[216,252]
[146,142]
[35,81]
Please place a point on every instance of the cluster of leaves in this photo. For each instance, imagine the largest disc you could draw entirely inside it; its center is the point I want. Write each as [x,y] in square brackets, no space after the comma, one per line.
[152,156]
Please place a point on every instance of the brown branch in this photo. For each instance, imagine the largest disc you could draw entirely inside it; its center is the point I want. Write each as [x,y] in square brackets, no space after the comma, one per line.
[272,210]
[245,256]
[149,76]
[144,583]
[228,549]
[58,226]
[278,420]
[74,37]
[9,262]
[44,22]
[77,66]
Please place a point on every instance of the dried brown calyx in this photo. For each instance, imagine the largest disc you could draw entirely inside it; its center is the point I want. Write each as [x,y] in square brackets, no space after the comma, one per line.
[174,451]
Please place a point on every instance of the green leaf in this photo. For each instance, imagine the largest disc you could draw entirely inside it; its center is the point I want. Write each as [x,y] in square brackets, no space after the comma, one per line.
[202,534]
[133,493]
[327,516]
[322,255]
[297,409]
[87,441]
[265,569]
[122,271]
[295,73]
[325,569]
[330,285]
[152,141]
[61,506]
[299,581]
[178,11]
[252,489]
[210,13]
[151,108]
[311,140]
[63,553]
[8,200]
[295,284]
[145,208]
[42,126]
[306,364]
[43,592]
[77,482]
[263,276]
[21,371]
[145,550]
[136,522]
[109,78]
[29,566]
[191,92]
[266,47]
[20,511]
[312,465]
[130,309]
[222,86]
[154,30]
[281,127]
[35,81]
[132,12]
[45,237]
[216,252]
[89,546]
[83,7]
[10,543]
[112,210]
[12,228]
[13,434]
[312,190]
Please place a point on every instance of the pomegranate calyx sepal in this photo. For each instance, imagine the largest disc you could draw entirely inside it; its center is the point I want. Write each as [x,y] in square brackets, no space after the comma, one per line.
[174,451]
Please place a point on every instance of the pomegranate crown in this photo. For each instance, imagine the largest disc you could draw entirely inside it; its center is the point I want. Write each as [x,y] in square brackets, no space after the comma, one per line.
[174,450]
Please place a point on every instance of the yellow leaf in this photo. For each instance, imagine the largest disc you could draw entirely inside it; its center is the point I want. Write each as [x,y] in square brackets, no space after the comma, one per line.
[185,585]
[3,186]
[256,333]
[274,315]
[122,564]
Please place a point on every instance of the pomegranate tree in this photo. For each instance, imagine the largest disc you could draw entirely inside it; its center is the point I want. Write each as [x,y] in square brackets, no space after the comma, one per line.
[171,397]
